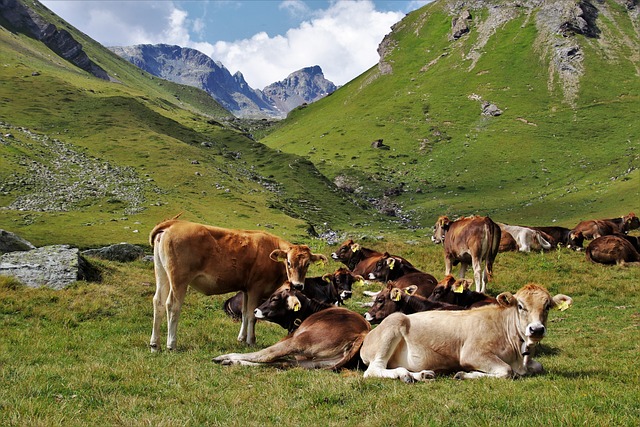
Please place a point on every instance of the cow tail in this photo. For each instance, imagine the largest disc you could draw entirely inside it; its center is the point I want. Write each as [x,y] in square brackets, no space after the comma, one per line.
[543,242]
[587,255]
[159,228]
[494,237]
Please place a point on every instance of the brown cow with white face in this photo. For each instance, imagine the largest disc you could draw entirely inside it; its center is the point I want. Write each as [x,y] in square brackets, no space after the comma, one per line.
[215,261]
[469,241]
[328,339]
[490,341]
[592,229]
[612,250]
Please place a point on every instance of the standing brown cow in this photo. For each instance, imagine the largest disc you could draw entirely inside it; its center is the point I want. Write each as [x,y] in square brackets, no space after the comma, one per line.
[469,240]
[215,261]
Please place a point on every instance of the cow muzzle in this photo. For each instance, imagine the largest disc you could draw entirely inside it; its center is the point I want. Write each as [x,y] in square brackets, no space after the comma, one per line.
[334,256]
[297,286]
[345,295]
[258,313]
[535,331]
[372,276]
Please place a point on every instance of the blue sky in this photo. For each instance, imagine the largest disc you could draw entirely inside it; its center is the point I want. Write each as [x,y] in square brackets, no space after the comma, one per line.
[266,40]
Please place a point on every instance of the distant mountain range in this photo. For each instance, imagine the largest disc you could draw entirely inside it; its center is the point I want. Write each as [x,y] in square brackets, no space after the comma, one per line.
[191,67]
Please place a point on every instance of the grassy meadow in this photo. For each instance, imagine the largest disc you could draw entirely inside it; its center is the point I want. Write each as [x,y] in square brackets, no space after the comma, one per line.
[80,357]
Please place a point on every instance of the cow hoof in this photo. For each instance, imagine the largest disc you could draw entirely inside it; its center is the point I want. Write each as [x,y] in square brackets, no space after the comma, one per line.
[459,376]
[408,379]
[154,348]
[426,375]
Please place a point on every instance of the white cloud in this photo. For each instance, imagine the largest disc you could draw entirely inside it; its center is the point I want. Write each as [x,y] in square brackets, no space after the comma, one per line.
[342,39]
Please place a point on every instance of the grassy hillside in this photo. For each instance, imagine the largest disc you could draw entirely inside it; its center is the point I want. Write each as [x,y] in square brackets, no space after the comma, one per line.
[551,155]
[87,161]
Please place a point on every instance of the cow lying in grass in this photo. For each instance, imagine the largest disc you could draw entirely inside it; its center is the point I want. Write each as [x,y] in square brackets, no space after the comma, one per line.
[494,340]
[329,338]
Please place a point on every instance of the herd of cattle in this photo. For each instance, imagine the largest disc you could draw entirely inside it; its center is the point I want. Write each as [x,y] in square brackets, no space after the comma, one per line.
[425,326]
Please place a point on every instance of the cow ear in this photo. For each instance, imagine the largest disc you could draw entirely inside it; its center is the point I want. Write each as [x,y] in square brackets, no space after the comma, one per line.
[391,262]
[294,303]
[410,290]
[278,255]
[355,247]
[506,299]
[562,302]
[327,277]
[319,258]
[458,286]
[395,294]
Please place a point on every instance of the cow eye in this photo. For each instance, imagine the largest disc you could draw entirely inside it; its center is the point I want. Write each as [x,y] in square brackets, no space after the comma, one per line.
[521,307]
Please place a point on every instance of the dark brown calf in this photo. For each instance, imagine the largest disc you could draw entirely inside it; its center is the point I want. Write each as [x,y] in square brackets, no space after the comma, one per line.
[612,250]
[393,299]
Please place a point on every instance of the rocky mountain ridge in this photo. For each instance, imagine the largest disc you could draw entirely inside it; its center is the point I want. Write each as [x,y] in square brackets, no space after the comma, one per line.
[194,68]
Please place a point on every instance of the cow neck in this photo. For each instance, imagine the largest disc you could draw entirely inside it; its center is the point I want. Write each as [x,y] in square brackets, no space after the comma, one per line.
[516,333]
[308,307]
[358,256]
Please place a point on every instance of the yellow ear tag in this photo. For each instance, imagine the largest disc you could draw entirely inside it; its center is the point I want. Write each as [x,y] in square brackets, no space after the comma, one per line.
[458,289]
[395,296]
[296,306]
[355,247]
[392,263]
[564,305]
[359,283]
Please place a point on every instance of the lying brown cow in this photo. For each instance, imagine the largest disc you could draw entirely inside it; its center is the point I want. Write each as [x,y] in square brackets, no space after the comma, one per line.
[494,340]
[361,261]
[469,241]
[562,236]
[592,229]
[327,339]
[612,250]
[216,261]
[452,291]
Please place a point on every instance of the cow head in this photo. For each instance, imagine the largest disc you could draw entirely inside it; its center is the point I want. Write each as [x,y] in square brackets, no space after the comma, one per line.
[439,230]
[532,304]
[280,307]
[385,267]
[576,240]
[346,252]
[297,259]
[448,289]
[631,222]
[387,302]
[343,280]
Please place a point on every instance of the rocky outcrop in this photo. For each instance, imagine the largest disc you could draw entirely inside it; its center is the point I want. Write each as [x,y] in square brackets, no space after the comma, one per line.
[20,18]
[303,86]
[55,267]
[121,252]
[11,242]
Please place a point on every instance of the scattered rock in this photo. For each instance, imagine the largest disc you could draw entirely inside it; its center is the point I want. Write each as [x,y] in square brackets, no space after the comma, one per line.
[460,25]
[11,242]
[489,109]
[55,267]
[122,252]
[379,144]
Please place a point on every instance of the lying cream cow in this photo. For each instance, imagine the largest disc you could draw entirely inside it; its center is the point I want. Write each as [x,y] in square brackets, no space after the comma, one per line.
[494,341]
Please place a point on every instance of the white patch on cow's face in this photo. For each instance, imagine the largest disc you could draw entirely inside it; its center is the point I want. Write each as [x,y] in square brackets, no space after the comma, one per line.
[368,317]
[372,276]
[258,313]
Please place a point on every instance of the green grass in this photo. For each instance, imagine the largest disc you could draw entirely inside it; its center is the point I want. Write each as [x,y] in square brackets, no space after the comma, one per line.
[80,357]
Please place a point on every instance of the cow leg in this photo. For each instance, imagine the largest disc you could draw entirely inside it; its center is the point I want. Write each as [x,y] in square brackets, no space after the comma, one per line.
[477,275]
[174,305]
[483,365]
[447,265]
[159,299]
[247,330]
[275,354]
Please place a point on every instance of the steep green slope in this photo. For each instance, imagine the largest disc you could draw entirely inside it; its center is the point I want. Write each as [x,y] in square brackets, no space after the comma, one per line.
[88,161]
[564,148]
